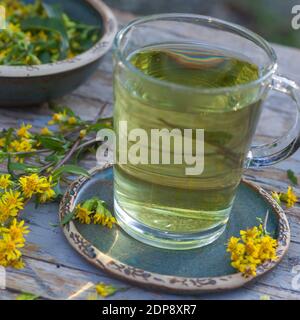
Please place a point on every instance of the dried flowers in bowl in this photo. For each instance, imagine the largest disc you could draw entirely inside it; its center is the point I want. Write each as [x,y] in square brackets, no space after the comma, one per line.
[49,48]
[41,33]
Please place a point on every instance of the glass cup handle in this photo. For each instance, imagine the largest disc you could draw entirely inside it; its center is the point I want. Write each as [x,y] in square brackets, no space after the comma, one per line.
[283,147]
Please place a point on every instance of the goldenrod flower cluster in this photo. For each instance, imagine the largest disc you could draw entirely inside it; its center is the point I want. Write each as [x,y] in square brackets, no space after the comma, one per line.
[289,197]
[31,157]
[21,141]
[34,36]
[64,120]
[13,197]
[94,211]
[11,241]
[42,187]
[251,249]
[46,132]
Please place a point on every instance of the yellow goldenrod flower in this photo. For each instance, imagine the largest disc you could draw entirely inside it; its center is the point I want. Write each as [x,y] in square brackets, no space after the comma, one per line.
[2,142]
[46,132]
[29,184]
[9,249]
[23,145]
[58,117]
[105,290]
[47,195]
[82,134]
[71,55]
[238,252]
[16,231]
[250,233]
[42,36]
[72,120]
[94,210]
[41,186]
[267,248]
[17,264]
[23,131]
[102,215]
[45,190]
[11,203]
[98,218]
[252,249]
[276,196]
[4,53]
[232,244]
[14,28]
[109,222]
[6,212]
[289,197]
[5,181]
[83,214]
[13,200]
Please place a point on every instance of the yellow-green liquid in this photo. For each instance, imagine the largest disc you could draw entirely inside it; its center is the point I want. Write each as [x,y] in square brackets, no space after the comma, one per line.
[163,197]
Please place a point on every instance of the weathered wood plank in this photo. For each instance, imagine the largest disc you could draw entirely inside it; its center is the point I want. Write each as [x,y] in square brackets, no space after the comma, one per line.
[8,295]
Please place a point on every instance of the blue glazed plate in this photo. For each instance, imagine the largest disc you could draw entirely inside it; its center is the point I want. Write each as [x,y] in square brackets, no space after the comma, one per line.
[191,271]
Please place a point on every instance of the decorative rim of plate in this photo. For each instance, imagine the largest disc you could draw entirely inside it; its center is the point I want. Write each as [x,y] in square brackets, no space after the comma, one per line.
[174,284]
[94,53]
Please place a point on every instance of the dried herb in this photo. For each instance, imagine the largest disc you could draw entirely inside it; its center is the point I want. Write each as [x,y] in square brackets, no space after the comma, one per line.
[40,33]
[35,166]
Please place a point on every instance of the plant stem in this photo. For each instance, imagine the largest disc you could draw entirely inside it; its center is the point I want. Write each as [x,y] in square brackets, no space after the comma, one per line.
[86,144]
[23,153]
[68,154]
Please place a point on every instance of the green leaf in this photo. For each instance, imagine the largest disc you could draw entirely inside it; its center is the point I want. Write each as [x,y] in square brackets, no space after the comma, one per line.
[8,138]
[71,169]
[98,126]
[67,218]
[53,143]
[27,296]
[16,166]
[45,57]
[102,208]
[54,225]
[3,156]
[53,158]
[57,190]
[291,176]
[53,11]
[49,24]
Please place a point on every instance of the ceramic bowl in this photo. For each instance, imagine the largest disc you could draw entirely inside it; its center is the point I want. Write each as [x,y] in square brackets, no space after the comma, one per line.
[28,85]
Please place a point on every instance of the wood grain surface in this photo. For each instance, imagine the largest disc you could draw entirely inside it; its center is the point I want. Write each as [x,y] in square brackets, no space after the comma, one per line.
[55,271]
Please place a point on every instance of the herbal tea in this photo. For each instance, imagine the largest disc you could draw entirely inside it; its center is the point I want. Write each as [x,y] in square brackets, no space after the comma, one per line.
[161,196]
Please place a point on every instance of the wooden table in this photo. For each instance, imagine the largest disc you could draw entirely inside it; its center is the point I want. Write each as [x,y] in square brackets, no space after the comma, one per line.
[55,271]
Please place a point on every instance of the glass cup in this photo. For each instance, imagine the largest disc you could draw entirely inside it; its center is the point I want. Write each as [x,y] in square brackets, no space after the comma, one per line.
[184,205]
